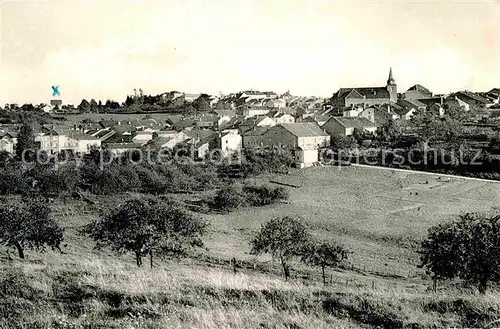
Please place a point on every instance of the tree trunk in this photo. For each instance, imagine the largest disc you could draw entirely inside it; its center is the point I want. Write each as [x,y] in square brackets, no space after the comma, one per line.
[483,285]
[151,258]
[323,273]
[286,272]
[434,284]
[20,250]
[138,258]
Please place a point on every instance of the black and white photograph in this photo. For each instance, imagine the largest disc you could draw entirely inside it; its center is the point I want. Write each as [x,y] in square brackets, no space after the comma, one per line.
[249,164]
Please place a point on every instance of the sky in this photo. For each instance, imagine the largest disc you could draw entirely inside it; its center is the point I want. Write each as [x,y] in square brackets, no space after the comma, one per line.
[103,49]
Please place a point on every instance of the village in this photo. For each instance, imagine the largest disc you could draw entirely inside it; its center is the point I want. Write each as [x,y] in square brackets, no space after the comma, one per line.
[245,120]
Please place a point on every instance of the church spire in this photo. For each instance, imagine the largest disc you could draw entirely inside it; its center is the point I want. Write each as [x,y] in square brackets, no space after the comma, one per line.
[391,80]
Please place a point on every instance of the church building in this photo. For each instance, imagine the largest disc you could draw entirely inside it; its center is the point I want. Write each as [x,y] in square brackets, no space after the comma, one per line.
[366,96]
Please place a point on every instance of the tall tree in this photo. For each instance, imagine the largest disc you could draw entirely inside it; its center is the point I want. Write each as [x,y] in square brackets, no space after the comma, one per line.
[93,106]
[25,143]
[84,106]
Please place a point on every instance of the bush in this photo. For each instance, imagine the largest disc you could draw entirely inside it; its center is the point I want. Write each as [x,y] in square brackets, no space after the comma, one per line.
[230,198]
[151,181]
[236,196]
[12,180]
[264,194]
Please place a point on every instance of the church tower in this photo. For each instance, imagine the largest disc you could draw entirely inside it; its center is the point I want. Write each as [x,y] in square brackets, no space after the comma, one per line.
[392,88]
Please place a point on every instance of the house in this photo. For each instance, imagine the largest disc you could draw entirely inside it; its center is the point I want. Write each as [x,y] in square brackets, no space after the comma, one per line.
[169,142]
[473,99]
[47,108]
[344,126]
[253,138]
[8,142]
[233,123]
[56,104]
[436,109]
[303,140]
[104,134]
[184,123]
[120,148]
[409,107]
[416,92]
[256,121]
[142,137]
[280,117]
[455,102]
[85,143]
[228,142]
[53,140]
[354,111]
[275,103]
[317,119]
[378,114]
[251,111]
[191,97]
[347,97]
[170,96]
[250,95]
[207,121]
[166,134]
[493,95]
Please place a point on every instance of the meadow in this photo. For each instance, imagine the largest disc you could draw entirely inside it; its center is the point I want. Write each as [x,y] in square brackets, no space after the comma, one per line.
[380,215]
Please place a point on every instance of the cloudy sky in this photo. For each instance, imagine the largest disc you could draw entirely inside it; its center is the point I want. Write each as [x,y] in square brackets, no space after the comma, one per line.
[106,48]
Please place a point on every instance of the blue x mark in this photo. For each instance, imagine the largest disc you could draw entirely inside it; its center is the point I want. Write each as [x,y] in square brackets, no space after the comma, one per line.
[55,91]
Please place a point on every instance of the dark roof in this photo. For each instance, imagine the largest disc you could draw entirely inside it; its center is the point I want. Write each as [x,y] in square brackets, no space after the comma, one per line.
[418,87]
[303,129]
[473,96]
[199,133]
[368,92]
[354,122]
[123,145]
[410,103]
[79,137]
[256,131]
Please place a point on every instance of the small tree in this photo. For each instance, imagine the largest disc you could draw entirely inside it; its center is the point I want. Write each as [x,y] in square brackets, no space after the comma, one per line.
[467,248]
[283,238]
[29,226]
[148,226]
[230,197]
[325,254]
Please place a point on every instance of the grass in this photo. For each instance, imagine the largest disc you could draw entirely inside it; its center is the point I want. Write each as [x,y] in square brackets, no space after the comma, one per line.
[369,210]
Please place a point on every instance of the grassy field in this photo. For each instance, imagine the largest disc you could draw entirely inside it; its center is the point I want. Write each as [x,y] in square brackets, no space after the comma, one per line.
[378,214]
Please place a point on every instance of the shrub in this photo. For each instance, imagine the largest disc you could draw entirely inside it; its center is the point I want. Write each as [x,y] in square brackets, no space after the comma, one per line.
[264,194]
[229,198]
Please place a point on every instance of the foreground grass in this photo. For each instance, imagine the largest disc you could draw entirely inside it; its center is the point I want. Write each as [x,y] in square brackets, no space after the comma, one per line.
[107,293]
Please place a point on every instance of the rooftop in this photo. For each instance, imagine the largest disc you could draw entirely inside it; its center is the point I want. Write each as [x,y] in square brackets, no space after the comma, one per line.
[354,122]
[304,129]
